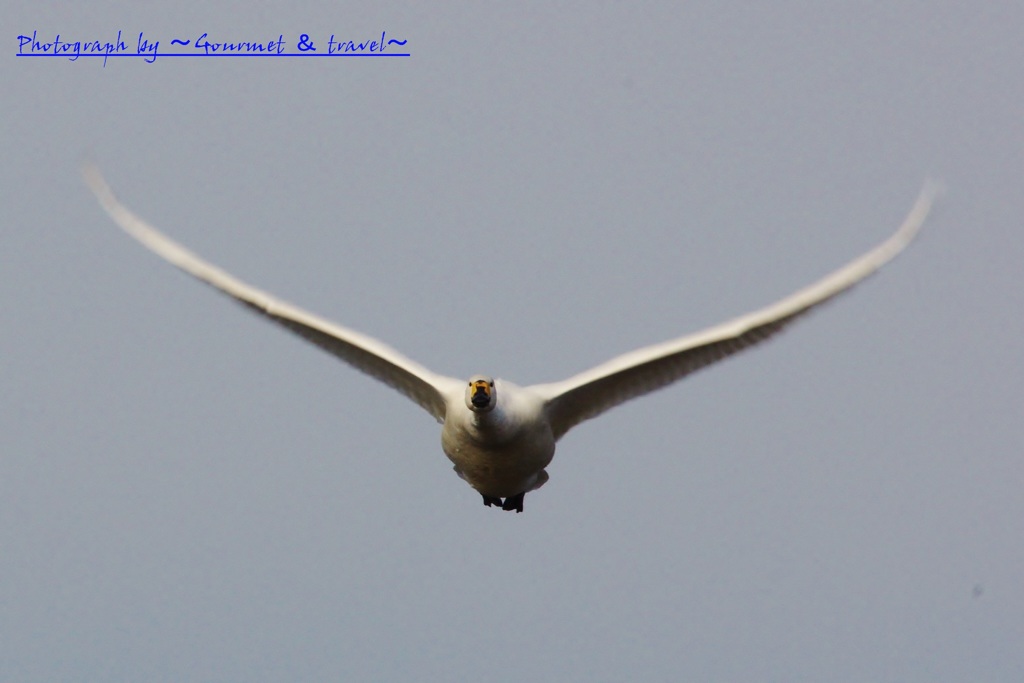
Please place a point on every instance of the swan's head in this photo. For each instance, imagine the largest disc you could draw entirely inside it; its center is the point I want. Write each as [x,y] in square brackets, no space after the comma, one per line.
[480,395]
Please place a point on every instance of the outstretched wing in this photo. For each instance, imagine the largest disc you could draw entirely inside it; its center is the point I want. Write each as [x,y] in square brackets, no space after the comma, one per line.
[639,372]
[362,352]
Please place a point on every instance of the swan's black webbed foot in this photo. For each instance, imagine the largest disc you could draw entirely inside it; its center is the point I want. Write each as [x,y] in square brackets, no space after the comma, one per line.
[491,500]
[514,502]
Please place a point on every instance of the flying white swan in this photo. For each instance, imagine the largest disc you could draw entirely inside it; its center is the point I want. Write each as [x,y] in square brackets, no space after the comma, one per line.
[501,436]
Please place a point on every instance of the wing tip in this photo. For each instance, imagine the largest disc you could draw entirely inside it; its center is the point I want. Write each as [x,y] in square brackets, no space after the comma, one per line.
[108,201]
[933,188]
[94,179]
[930,193]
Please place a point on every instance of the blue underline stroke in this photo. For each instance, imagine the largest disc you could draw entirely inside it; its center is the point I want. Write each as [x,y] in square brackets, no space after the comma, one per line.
[187,54]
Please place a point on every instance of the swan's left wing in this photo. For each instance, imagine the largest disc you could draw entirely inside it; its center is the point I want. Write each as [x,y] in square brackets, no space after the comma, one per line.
[375,358]
[591,393]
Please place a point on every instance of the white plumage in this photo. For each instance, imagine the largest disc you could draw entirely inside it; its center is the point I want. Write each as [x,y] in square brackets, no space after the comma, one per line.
[500,436]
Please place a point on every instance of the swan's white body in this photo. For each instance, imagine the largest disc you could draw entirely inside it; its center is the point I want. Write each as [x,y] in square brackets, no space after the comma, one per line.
[500,436]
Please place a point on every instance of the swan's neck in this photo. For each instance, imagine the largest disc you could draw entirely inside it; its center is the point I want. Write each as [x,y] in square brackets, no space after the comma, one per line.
[491,426]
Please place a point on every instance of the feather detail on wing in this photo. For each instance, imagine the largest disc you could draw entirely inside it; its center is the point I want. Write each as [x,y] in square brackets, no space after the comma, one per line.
[639,372]
[362,352]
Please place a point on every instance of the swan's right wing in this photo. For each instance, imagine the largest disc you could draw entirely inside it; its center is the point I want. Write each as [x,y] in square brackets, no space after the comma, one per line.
[591,393]
[362,352]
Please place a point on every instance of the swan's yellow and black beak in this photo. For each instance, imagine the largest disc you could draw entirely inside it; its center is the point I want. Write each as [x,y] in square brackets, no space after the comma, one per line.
[480,391]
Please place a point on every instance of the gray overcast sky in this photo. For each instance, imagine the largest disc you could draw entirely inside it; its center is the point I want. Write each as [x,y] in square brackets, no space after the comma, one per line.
[190,494]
